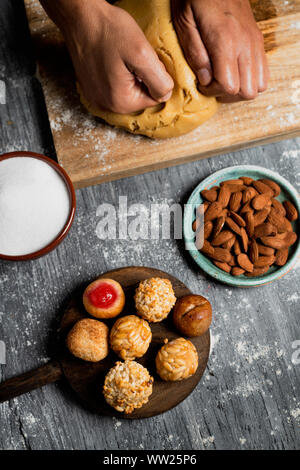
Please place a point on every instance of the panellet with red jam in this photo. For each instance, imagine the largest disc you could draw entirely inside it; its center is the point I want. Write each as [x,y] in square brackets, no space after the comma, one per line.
[104,298]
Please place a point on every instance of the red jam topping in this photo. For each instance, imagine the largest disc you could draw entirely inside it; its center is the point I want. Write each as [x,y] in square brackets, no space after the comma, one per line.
[103,296]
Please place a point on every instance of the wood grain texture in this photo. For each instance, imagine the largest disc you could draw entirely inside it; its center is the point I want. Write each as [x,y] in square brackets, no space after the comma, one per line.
[44,375]
[93,152]
[249,395]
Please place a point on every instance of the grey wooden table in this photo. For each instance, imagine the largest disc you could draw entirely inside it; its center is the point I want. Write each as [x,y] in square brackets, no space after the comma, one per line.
[249,395]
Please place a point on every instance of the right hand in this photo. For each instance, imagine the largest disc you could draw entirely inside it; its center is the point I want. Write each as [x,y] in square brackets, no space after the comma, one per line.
[116,67]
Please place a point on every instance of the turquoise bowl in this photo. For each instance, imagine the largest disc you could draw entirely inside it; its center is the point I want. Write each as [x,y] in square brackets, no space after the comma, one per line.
[233,172]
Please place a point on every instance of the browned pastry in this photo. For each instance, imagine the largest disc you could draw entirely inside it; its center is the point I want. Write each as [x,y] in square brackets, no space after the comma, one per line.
[177,360]
[88,340]
[127,386]
[192,315]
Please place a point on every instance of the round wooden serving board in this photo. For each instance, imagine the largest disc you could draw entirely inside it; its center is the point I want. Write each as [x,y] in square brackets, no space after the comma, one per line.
[87,379]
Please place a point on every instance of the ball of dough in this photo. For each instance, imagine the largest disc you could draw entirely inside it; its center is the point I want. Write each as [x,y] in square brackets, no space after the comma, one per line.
[88,340]
[130,337]
[187,108]
[154,299]
[177,360]
[192,315]
[128,385]
[104,298]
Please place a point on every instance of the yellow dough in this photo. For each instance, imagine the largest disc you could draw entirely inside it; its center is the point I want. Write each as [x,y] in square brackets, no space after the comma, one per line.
[187,108]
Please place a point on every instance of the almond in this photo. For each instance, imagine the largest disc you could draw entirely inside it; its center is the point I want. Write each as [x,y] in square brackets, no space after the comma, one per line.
[260,201]
[209,194]
[229,244]
[290,239]
[232,225]
[235,201]
[262,188]
[246,208]
[258,271]
[195,224]
[232,261]
[224,196]
[236,271]
[237,218]
[218,225]
[265,250]
[281,223]
[274,242]
[249,194]
[249,223]
[245,239]
[253,251]
[279,207]
[236,187]
[220,254]
[281,257]
[264,261]
[264,230]
[213,211]
[207,249]
[208,226]
[274,186]
[223,237]
[291,211]
[236,248]
[260,216]
[245,262]
[205,206]
[223,266]
[238,181]
[246,180]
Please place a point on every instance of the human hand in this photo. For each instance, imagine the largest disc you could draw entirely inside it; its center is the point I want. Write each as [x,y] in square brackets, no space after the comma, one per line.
[116,67]
[224,47]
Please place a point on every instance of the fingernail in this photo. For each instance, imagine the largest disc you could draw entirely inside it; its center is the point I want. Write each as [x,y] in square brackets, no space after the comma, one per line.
[204,76]
[166,97]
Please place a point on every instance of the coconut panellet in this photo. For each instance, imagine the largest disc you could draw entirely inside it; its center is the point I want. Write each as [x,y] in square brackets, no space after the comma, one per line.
[104,298]
[130,337]
[154,299]
[127,386]
[88,340]
[177,360]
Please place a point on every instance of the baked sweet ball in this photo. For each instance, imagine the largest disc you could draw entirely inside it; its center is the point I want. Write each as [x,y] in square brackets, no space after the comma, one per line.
[192,315]
[127,386]
[130,337]
[154,299]
[88,340]
[104,298]
[177,360]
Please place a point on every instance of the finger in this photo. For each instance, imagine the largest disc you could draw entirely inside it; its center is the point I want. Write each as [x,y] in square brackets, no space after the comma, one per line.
[262,70]
[139,98]
[195,52]
[247,69]
[223,57]
[213,89]
[148,68]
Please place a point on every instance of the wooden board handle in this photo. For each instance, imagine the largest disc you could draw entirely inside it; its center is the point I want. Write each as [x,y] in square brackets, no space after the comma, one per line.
[11,388]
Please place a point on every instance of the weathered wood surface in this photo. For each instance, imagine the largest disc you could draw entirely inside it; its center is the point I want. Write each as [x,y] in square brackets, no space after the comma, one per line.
[93,152]
[249,395]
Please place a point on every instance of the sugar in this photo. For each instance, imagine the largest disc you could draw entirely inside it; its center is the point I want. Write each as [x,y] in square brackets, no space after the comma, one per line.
[34,205]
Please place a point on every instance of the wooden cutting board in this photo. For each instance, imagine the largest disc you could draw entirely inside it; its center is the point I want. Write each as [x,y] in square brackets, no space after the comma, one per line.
[93,152]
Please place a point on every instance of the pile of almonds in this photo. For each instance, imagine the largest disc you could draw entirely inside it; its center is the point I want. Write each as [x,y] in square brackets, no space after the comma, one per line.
[246,229]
